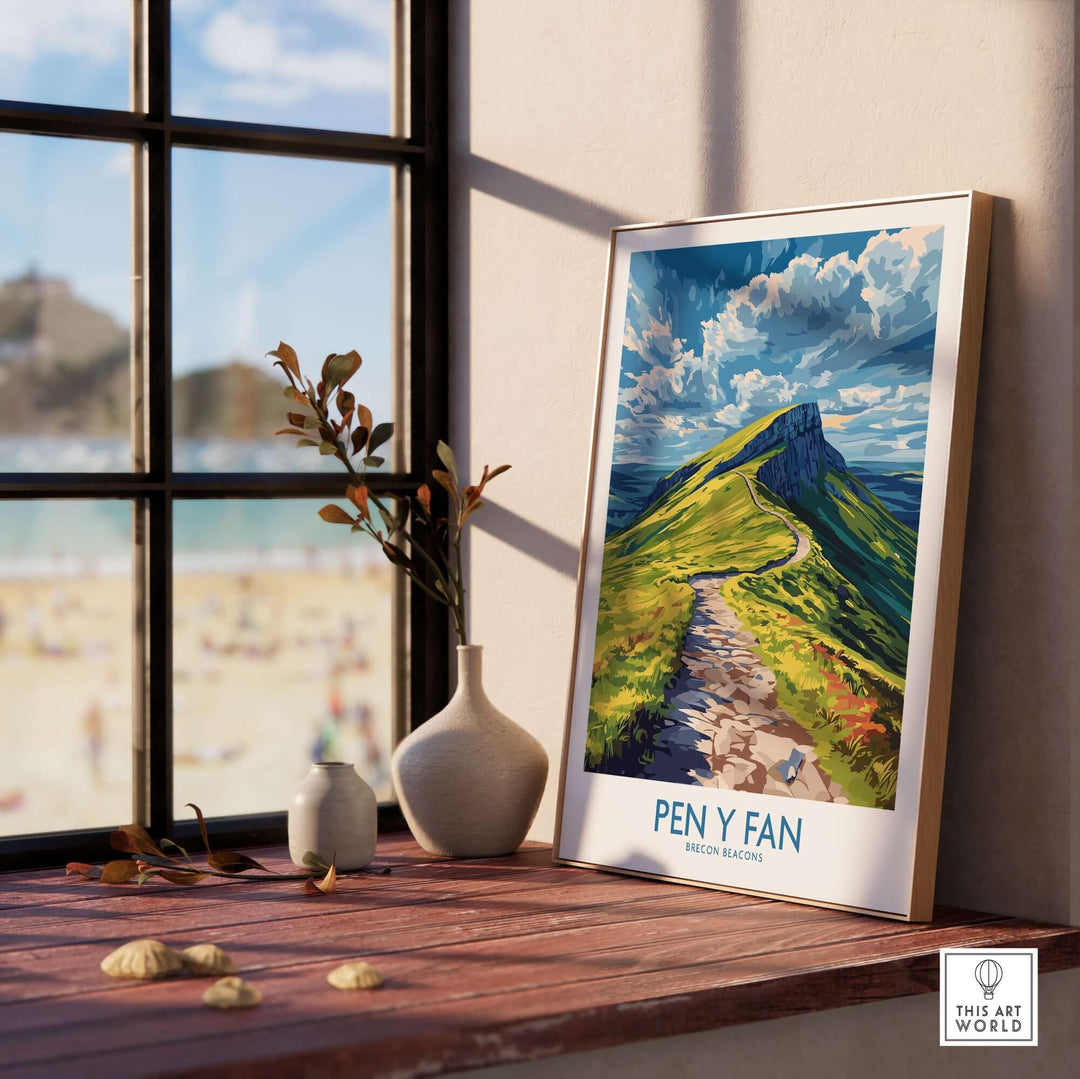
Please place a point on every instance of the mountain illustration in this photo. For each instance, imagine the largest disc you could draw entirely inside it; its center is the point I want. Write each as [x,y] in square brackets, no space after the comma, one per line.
[65,367]
[753,623]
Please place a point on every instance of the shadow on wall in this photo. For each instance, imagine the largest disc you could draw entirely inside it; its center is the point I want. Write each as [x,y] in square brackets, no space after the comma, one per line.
[528,538]
[996,851]
[594,216]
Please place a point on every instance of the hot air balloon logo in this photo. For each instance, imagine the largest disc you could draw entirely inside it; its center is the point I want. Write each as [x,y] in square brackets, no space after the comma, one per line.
[988,974]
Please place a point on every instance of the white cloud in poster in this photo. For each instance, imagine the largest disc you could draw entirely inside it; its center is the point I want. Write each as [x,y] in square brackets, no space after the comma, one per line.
[755,388]
[820,329]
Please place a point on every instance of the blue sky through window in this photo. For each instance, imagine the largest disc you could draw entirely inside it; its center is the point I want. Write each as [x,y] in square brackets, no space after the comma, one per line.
[265,247]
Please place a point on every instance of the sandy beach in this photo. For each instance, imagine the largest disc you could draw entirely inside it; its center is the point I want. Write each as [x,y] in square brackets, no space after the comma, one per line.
[273,668]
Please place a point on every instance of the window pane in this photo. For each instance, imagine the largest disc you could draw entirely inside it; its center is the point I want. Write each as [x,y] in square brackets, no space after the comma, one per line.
[268,249]
[65,305]
[282,653]
[66,52]
[292,62]
[66,602]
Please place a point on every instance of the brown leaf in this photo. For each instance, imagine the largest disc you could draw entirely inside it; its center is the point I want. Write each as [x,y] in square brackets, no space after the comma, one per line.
[489,474]
[337,370]
[291,431]
[182,876]
[232,861]
[335,515]
[381,433]
[287,359]
[202,824]
[444,479]
[134,839]
[363,417]
[325,886]
[297,419]
[120,871]
[79,869]
[358,496]
[469,510]
[359,437]
[423,496]
[345,402]
[446,455]
[396,555]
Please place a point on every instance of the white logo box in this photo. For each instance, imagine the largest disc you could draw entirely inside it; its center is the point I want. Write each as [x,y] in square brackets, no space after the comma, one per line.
[989,996]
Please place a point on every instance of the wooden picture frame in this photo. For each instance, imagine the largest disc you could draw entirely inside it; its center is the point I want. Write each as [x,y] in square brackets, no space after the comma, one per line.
[770,567]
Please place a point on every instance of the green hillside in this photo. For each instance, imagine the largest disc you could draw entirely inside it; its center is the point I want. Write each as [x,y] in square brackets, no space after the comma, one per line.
[833,626]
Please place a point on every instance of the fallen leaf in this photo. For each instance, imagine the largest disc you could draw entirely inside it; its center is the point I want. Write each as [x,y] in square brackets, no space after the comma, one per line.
[182,876]
[232,861]
[202,824]
[134,839]
[120,871]
[325,886]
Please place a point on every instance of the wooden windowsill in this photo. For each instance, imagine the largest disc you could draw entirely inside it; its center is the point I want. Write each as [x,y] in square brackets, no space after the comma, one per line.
[485,961]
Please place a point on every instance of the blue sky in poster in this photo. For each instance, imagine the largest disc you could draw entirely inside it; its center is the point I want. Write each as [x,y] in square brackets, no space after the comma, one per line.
[717,336]
[264,247]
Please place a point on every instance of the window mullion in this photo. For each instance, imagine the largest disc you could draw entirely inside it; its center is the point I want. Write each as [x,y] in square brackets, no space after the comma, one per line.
[428,326]
[156,809]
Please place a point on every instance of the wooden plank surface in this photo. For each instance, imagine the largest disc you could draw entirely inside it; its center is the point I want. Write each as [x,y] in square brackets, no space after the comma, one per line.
[488,960]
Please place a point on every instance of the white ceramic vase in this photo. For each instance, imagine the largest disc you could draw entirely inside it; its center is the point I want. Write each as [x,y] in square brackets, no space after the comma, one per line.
[469,780]
[333,813]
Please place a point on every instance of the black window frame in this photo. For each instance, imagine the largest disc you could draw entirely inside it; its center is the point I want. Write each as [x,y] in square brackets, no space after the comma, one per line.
[423,155]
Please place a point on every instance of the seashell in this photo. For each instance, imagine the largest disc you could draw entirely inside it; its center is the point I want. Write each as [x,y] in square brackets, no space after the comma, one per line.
[142,959]
[206,960]
[359,975]
[231,992]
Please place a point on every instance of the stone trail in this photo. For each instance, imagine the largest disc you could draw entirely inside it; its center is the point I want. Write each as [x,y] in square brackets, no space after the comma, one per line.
[724,727]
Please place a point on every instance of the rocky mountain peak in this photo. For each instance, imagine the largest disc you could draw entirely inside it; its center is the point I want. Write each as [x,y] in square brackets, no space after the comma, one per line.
[805,455]
[803,458]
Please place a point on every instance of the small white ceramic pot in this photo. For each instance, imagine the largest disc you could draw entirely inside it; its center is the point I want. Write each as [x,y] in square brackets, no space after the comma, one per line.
[333,813]
[469,780]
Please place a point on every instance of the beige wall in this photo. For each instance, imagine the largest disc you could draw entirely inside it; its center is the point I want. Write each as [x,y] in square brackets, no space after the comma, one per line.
[570,116]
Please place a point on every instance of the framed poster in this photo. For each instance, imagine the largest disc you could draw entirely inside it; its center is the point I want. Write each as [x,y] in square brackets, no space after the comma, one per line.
[770,569]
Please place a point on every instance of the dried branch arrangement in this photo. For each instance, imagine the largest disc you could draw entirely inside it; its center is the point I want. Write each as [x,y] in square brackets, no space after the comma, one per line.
[433,558]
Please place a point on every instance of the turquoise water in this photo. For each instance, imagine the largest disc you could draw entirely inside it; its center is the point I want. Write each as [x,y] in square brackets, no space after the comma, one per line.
[86,454]
[53,535]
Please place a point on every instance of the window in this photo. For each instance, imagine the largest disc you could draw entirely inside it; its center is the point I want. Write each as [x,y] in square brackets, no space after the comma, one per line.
[180,188]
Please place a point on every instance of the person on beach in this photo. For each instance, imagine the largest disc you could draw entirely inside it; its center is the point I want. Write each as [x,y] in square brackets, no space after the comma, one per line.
[94,729]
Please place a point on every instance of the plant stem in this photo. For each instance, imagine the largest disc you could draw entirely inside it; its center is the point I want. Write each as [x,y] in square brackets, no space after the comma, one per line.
[460,609]
[180,867]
